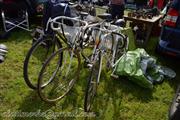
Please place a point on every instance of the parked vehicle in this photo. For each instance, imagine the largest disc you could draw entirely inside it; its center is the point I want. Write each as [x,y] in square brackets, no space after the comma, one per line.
[169,40]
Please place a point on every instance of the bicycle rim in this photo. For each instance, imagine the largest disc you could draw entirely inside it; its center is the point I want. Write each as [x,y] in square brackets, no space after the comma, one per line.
[120,48]
[36,57]
[62,77]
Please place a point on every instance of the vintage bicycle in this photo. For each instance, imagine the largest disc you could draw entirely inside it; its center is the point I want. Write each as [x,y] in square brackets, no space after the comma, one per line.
[109,44]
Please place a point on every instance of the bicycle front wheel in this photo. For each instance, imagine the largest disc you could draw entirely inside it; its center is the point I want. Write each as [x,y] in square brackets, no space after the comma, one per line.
[93,83]
[36,57]
[62,69]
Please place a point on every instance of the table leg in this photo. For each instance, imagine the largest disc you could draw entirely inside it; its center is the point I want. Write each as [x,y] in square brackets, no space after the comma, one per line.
[149,27]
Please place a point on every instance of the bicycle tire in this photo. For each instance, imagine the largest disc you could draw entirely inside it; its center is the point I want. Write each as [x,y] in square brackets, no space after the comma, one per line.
[62,81]
[117,47]
[36,45]
[92,84]
[121,48]
[174,108]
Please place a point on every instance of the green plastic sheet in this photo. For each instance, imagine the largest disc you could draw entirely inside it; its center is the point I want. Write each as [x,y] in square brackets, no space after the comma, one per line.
[130,65]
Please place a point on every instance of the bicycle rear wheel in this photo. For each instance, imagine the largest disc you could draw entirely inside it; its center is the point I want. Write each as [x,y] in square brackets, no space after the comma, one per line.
[121,47]
[62,69]
[36,57]
[93,83]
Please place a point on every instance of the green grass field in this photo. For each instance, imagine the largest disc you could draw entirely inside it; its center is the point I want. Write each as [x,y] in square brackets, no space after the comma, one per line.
[116,99]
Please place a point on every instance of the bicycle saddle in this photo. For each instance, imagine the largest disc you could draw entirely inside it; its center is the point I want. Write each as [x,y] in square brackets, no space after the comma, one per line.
[71,3]
[105,16]
[120,22]
[83,14]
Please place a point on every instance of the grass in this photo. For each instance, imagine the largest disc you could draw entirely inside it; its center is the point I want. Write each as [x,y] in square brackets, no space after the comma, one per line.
[116,99]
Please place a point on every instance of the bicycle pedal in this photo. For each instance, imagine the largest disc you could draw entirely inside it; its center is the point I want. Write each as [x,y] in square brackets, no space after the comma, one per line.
[93,82]
[86,64]
[89,65]
[114,76]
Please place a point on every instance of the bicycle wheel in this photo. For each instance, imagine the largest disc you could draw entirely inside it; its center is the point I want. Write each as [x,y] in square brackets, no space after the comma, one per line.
[36,56]
[62,72]
[174,109]
[108,42]
[92,83]
[121,47]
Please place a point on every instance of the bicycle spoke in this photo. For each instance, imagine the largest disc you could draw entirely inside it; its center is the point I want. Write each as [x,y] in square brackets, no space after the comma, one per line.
[63,79]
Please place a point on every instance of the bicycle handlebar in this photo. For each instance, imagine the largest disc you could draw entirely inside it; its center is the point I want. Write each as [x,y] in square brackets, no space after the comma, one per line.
[85,25]
[109,31]
[55,21]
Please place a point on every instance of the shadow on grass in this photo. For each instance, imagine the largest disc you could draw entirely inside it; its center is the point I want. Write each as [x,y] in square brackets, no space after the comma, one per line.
[174,64]
[109,96]
[67,108]
[33,108]
[16,35]
[33,104]
[126,86]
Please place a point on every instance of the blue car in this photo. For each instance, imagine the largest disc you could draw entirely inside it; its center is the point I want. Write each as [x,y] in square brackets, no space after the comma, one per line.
[170,35]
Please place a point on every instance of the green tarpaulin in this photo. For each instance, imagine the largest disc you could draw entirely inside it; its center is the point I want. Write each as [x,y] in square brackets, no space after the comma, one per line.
[141,68]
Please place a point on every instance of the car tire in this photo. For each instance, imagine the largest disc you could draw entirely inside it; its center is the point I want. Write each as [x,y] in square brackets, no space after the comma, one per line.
[174,111]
